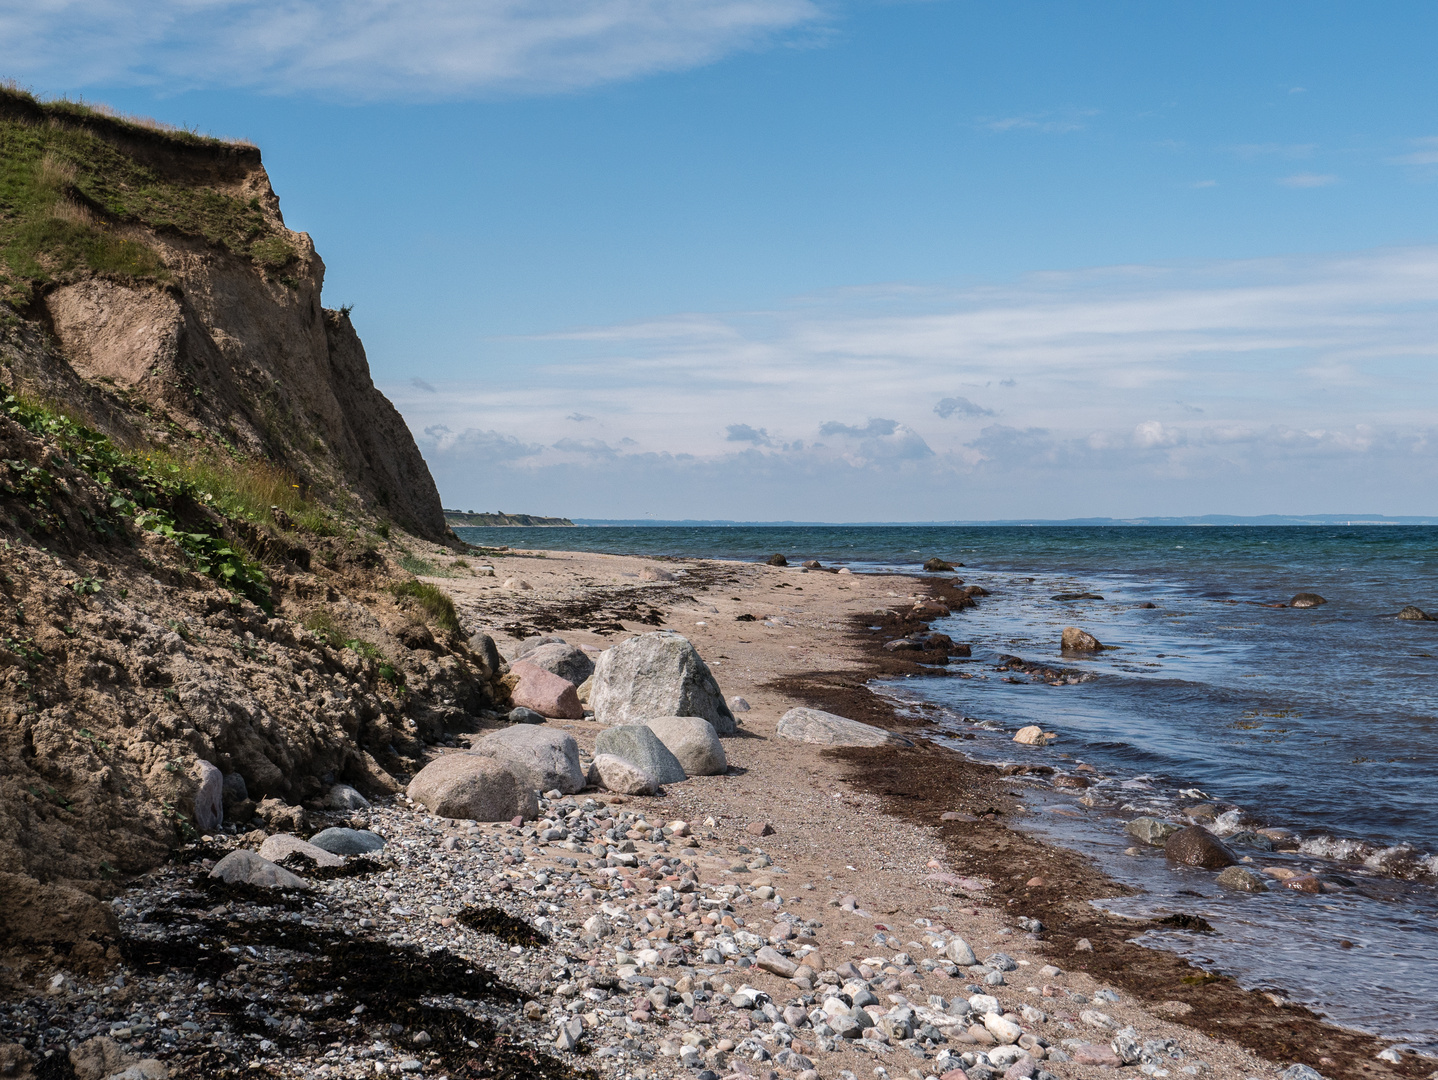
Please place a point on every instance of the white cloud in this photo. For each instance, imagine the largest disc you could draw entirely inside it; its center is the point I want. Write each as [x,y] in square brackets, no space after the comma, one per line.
[1303,366]
[1308,180]
[1425,152]
[1044,122]
[373,49]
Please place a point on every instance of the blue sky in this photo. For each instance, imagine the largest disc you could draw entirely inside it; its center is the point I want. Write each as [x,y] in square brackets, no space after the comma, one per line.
[838,260]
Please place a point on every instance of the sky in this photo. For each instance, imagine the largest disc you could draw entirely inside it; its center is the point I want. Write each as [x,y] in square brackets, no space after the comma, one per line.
[844,260]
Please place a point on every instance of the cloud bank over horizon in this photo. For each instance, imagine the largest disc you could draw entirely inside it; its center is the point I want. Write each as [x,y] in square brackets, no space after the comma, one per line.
[1290,385]
[369,50]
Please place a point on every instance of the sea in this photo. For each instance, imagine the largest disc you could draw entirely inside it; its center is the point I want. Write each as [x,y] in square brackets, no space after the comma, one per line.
[1322,721]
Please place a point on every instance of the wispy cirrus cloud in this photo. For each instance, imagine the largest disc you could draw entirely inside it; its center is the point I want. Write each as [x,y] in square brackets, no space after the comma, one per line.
[1142,387]
[379,49]
[1048,123]
[1424,152]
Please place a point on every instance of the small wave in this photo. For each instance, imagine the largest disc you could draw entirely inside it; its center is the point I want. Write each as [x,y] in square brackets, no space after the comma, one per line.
[1403,861]
[1333,847]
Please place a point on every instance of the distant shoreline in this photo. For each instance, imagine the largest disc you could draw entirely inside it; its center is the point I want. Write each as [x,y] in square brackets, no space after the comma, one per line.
[464,519]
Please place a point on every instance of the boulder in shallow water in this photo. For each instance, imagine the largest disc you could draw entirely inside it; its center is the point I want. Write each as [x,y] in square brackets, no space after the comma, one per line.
[1415,614]
[1076,640]
[1196,846]
[827,729]
[1033,735]
[659,674]
[1307,599]
[778,560]
[1151,830]
[937,566]
[1242,879]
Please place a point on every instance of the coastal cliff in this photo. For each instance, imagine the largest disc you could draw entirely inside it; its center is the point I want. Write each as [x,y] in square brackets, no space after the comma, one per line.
[211,523]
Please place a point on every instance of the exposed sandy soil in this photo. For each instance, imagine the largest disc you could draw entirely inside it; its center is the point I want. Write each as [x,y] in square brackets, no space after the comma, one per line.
[867,822]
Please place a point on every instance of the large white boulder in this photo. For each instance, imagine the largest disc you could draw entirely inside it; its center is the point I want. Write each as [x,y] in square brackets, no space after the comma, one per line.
[542,758]
[659,674]
[693,741]
[828,729]
[469,786]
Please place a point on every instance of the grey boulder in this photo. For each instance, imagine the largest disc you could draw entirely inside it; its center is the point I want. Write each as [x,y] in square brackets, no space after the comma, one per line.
[244,867]
[521,715]
[567,661]
[541,758]
[621,777]
[344,797]
[828,729]
[659,674]
[1242,879]
[468,786]
[641,747]
[347,841]
[277,847]
[693,742]
[209,798]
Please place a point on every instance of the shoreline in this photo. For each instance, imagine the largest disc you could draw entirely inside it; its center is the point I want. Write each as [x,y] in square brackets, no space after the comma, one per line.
[982,844]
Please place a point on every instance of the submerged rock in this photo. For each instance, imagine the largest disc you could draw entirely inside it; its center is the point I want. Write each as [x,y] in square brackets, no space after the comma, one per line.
[1152,831]
[1306,600]
[1415,614]
[1242,879]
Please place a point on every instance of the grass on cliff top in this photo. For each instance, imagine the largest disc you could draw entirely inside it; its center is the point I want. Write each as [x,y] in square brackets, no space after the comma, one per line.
[67,195]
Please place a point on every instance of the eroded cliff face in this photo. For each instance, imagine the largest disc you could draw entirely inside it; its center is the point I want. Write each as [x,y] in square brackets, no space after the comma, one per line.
[219,336]
[163,333]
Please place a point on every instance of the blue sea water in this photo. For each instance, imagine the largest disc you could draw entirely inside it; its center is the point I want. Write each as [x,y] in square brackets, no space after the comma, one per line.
[1323,721]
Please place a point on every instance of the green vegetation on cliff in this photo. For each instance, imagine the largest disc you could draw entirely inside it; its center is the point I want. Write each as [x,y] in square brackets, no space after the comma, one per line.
[78,187]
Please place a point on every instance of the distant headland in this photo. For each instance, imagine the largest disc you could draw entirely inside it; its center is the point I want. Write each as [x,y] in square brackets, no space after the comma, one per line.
[469,519]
